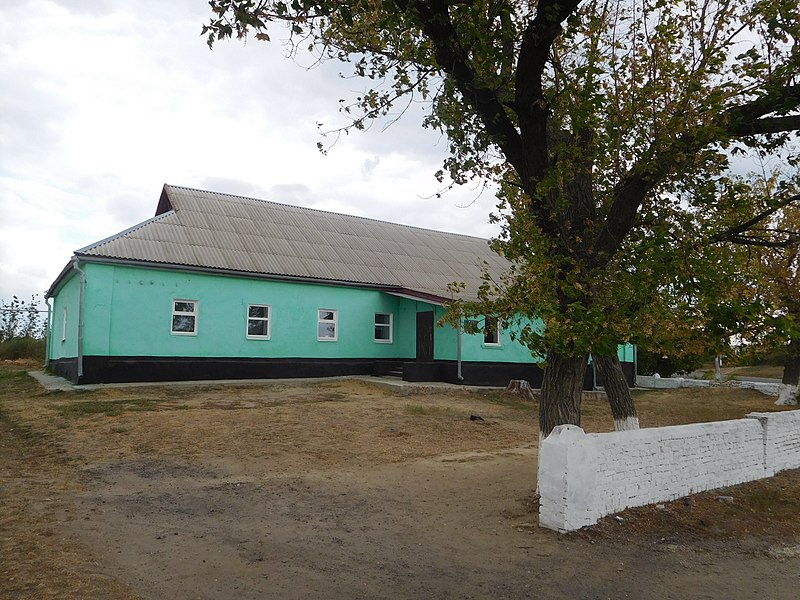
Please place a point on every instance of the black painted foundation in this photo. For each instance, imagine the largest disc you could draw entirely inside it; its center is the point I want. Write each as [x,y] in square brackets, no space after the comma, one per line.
[121,369]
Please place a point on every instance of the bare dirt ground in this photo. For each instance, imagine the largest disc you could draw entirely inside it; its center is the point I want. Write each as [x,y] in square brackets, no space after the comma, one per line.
[343,490]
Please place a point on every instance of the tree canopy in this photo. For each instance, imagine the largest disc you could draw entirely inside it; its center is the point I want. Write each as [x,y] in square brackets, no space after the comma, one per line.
[608,127]
[775,270]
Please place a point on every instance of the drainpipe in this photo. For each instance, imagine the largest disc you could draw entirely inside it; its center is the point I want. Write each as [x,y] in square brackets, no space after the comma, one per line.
[460,330]
[76,266]
[48,333]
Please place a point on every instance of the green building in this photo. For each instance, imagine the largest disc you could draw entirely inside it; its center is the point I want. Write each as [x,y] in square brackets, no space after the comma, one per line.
[217,286]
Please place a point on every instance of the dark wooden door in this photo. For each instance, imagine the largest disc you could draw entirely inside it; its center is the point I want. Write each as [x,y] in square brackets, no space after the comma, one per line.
[425,336]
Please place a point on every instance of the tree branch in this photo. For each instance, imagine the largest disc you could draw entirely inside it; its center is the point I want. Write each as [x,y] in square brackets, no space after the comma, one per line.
[628,195]
[768,125]
[530,104]
[737,230]
[746,119]
[746,240]
[739,121]
[434,19]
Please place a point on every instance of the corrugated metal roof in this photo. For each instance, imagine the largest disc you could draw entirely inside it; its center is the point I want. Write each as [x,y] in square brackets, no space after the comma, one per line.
[233,233]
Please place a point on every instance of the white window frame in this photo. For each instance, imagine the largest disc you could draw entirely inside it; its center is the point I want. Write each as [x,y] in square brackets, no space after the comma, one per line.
[498,327]
[195,313]
[268,319]
[390,325]
[335,322]
[64,326]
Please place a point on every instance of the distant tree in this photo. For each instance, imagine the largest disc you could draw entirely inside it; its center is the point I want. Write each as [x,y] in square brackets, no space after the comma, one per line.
[607,126]
[778,268]
[21,319]
[654,362]
[783,266]
[10,313]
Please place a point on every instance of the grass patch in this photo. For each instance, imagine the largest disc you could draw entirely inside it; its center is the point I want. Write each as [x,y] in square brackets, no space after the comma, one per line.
[17,429]
[421,410]
[109,408]
[515,401]
[783,501]
[13,375]
[15,383]
[770,371]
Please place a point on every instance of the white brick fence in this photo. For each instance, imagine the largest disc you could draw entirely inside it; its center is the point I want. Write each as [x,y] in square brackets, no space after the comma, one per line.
[648,381]
[583,477]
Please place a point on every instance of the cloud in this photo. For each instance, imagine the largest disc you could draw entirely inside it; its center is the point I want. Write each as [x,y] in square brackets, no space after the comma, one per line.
[227,185]
[368,166]
[106,100]
[291,193]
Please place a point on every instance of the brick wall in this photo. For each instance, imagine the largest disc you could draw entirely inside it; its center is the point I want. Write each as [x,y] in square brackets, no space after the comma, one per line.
[781,440]
[585,477]
[648,381]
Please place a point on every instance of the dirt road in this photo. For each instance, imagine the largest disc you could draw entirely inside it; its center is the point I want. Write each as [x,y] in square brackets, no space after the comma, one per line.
[342,491]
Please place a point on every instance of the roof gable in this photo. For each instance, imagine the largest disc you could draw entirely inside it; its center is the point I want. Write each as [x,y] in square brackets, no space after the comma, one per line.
[200,229]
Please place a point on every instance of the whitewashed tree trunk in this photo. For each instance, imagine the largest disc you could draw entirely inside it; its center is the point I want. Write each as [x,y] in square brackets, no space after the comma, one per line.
[619,396]
[791,379]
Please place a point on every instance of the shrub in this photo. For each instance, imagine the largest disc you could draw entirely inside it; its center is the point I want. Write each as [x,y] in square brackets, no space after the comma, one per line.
[653,362]
[22,347]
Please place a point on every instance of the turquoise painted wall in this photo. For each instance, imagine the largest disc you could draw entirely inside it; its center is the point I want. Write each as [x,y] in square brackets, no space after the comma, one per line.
[129,312]
[445,338]
[626,353]
[61,345]
[445,342]
[474,349]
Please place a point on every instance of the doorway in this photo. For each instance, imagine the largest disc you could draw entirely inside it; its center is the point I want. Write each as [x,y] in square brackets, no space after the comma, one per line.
[425,336]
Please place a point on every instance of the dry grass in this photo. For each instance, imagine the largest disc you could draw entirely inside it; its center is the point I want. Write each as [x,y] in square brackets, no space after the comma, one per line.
[45,440]
[771,371]
[756,515]
[660,408]
[323,424]
[35,482]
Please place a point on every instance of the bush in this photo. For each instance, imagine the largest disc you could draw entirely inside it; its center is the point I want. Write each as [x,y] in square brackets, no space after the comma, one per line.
[775,357]
[22,347]
[653,362]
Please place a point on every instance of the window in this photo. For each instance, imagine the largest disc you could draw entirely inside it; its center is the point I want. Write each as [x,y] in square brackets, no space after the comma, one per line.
[326,325]
[258,321]
[383,328]
[184,317]
[491,331]
[64,326]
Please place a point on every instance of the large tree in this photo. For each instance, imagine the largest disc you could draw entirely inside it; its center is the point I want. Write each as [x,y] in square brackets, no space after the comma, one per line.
[782,266]
[598,120]
[775,268]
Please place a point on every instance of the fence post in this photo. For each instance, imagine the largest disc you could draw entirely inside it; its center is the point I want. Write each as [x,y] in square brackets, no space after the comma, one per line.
[567,479]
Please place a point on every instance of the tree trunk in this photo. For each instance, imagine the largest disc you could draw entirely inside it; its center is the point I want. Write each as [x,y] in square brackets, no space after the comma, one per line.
[790,395]
[562,386]
[791,368]
[618,392]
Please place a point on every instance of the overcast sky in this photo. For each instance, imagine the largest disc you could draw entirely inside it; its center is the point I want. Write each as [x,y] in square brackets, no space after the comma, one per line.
[104,101]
